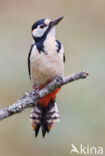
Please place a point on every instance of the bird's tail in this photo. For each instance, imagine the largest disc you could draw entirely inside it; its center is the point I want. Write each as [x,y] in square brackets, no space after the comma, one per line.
[44,117]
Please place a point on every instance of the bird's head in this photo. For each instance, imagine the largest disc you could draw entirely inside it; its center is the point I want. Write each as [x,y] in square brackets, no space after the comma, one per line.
[43,27]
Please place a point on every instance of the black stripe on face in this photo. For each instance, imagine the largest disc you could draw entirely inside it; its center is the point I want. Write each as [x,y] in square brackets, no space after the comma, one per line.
[39,41]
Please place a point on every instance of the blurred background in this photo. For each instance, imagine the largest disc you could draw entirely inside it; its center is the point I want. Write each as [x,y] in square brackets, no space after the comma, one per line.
[81,103]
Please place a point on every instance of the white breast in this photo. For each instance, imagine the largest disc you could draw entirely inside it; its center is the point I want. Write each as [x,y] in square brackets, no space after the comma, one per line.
[45,67]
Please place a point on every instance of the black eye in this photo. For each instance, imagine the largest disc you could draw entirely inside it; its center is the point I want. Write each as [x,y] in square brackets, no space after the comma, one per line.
[42,26]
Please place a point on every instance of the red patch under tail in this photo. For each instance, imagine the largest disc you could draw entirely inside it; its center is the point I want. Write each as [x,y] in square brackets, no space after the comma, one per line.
[44,101]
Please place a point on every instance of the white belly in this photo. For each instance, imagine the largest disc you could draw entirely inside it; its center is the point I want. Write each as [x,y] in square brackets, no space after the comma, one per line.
[45,67]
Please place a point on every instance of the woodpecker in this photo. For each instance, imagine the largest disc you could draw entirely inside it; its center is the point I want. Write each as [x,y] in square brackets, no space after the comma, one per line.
[45,62]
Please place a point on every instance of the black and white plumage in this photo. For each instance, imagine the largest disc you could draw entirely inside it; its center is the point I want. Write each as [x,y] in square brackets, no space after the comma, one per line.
[45,117]
[45,62]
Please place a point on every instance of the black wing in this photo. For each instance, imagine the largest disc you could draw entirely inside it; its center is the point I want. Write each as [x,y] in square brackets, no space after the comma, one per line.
[58,45]
[59,48]
[29,60]
[64,58]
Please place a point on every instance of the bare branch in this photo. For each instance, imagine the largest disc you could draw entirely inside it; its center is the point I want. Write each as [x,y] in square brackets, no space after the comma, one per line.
[31,99]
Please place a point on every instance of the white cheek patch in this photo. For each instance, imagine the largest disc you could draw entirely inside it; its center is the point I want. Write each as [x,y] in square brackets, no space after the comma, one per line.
[38,32]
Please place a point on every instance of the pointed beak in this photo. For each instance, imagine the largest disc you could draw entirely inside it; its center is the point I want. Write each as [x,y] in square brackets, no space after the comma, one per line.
[56,21]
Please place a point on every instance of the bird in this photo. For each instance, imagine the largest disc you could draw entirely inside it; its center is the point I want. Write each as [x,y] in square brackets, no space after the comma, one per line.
[45,62]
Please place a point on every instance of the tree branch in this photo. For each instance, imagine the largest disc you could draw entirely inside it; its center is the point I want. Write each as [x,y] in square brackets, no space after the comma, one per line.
[31,99]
